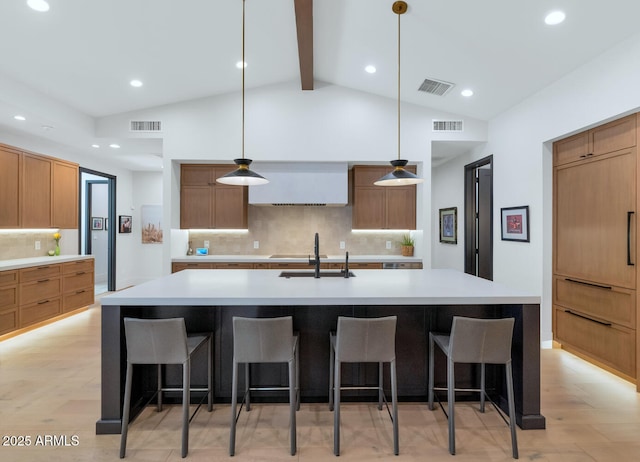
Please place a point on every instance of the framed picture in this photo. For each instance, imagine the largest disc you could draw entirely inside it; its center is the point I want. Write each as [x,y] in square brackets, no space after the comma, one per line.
[449,225]
[97,223]
[515,223]
[124,224]
[151,224]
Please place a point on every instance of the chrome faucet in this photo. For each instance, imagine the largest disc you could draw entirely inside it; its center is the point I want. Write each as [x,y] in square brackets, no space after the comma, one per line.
[316,259]
[346,264]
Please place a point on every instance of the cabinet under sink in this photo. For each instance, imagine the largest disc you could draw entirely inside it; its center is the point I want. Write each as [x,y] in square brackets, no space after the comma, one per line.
[310,274]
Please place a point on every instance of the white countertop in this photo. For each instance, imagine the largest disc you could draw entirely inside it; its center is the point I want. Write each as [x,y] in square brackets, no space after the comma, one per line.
[266,258]
[37,261]
[371,287]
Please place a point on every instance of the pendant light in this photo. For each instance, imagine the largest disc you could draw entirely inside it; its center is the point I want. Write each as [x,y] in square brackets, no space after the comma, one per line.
[243,175]
[399,176]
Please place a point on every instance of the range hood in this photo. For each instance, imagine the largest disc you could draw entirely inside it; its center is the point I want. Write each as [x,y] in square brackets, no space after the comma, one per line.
[301,183]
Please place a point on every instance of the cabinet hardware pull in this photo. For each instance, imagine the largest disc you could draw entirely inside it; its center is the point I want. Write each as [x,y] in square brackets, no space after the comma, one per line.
[629,262]
[42,302]
[80,272]
[608,324]
[42,280]
[42,267]
[80,291]
[589,284]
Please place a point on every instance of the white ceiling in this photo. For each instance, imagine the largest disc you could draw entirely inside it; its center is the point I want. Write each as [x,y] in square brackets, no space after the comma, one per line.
[83,53]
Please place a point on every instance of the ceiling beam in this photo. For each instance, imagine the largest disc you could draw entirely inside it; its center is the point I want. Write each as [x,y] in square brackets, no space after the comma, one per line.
[304,27]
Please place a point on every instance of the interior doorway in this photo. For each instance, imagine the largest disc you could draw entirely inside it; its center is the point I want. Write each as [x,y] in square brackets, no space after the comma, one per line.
[478,210]
[97,229]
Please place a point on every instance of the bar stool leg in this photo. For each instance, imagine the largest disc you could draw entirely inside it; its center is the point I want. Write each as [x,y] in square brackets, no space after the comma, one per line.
[431,367]
[296,353]
[234,404]
[186,401]
[394,398]
[159,406]
[512,409]
[380,383]
[126,410]
[336,409]
[451,397]
[482,387]
[247,384]
[332,358]
[292,405]
[210,373]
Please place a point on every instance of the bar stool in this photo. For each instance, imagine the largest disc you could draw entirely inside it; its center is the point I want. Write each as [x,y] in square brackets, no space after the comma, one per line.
[264,340]
[363,340]
[164,341]
[479,341]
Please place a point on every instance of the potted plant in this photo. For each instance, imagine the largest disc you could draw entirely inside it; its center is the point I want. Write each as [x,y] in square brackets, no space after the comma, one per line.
[407,244]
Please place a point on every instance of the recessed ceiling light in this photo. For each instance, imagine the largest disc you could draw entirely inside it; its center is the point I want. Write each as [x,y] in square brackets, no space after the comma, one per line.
[19,117]
[38,5]
[114,146]
[135,83]
[467,92]
[555,17]
[240,64]
[95,145]
[370,69]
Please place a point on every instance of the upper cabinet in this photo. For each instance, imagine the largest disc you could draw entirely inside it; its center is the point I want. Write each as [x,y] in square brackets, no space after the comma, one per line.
[206,204]
[380,207]
[10,162]
[614,136]
[37,191]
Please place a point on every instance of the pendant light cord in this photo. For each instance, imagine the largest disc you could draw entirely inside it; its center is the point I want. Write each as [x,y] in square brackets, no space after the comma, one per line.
[399,86]
[244,64]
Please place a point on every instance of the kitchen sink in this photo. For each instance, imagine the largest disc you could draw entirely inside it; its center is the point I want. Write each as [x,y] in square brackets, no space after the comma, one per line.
[284,255]
[310,274]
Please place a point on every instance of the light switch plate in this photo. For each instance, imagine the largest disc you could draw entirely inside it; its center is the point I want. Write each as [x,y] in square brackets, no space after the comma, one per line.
[206,244]
[37,245]
[342,245]
[256,244]
[388,245]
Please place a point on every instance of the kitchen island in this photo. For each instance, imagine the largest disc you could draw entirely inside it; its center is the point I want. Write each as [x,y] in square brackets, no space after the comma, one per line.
[423,300]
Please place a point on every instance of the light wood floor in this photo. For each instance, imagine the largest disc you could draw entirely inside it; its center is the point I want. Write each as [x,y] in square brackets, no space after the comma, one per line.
[50,385]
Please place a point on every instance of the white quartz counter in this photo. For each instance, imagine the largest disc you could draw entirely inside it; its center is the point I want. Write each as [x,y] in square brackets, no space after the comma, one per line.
[268,259]
[264,287]
[38,261]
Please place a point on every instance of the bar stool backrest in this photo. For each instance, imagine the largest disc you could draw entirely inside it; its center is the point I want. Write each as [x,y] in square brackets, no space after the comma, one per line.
[263,340]
[366,339]
[156,341]
[481,340]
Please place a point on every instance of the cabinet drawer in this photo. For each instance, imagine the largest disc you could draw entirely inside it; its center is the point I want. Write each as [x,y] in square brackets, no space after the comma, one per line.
[40,272]
[8,297]
[612,345]
[40,290]
[233,265]
[77,281]
[615,305]
[77,299]
[77,266]
[175,267]
[8,277]
[292,266]
[8,321]
[261,266]
[37,312]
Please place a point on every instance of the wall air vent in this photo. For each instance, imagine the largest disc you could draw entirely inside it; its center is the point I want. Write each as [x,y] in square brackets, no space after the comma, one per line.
[145,126]
[305,205]
[436,87]
[448,126]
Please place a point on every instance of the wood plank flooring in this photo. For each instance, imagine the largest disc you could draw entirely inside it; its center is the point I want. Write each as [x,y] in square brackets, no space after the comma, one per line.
[50,386]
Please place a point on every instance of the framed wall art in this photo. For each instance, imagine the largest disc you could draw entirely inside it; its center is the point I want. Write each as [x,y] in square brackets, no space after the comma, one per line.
[515,223]
[124,225]
[449,225]
[97,223]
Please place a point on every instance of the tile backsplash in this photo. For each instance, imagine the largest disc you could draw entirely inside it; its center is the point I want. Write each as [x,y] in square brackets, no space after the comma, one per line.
[290,230]
[21,244]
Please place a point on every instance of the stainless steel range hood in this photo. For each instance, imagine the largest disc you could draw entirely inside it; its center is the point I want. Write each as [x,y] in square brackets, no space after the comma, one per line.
[301,183]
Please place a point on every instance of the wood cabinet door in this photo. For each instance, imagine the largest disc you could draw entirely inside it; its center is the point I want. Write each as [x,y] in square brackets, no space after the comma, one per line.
[401,208]
[614,136]
[65,195]
[35,191]
[230,207]
[595,219]
[571,149]
[368,208]
[9,188]
[196,203]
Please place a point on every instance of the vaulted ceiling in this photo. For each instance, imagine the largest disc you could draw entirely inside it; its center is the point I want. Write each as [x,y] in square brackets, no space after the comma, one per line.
[83,53]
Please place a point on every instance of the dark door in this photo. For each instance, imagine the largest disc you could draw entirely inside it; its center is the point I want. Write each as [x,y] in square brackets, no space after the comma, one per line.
[478,239]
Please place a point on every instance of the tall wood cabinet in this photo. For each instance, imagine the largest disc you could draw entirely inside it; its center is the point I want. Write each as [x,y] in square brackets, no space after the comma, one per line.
[595,252]
[37,191]
[206,204]
[377,207]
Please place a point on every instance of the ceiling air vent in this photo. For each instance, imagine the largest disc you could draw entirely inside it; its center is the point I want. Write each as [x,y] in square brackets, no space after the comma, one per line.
[436,87]
[448,126]
[145,126]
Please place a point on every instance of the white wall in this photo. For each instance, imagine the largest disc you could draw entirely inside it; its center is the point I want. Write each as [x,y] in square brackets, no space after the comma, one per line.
[520,141]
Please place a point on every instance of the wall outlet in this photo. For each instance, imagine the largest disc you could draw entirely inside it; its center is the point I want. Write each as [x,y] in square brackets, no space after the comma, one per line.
[256,244]
[37,245]
[206,244]
[388,245]
[342,245]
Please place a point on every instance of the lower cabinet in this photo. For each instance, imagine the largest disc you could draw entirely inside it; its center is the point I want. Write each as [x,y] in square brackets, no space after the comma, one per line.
[35,294]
